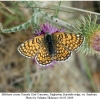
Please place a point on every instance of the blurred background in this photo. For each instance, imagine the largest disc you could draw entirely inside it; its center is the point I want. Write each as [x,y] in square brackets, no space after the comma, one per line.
[79,73]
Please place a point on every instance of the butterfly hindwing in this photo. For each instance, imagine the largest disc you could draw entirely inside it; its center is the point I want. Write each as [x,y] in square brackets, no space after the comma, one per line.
[43,57]
[61,53]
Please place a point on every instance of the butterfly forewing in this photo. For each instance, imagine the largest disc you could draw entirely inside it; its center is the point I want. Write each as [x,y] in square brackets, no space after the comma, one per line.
[72,41]
[30,48]
[68,40]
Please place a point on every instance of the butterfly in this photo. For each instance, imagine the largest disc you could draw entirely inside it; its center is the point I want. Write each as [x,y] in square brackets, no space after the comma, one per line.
[50,47]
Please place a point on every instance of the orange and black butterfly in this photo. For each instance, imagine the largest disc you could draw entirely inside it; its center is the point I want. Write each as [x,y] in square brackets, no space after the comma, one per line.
[50,47]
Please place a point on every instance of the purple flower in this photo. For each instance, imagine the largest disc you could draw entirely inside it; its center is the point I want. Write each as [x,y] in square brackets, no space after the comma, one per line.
[47,28]
[95,41]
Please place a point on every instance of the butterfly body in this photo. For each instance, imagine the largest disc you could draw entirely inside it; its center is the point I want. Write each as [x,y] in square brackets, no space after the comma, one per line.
[50,47]
[49,41]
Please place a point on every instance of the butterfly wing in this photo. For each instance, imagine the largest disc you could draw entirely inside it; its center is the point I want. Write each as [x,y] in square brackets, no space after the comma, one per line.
[30,48]
[61,53]
[70,41]
[43,57]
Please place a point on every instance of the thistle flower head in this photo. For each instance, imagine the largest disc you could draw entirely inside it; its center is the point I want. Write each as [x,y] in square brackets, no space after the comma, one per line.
[95,41]
[91,31]
[48,28]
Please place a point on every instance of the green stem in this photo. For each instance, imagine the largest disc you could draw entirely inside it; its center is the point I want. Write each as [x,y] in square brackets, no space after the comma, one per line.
[57,10]
[88,72]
